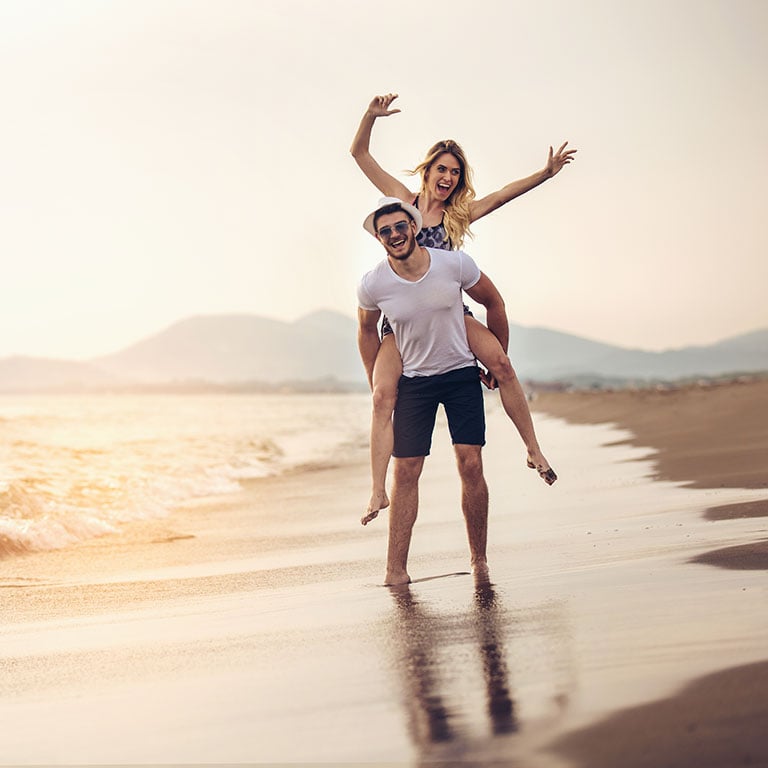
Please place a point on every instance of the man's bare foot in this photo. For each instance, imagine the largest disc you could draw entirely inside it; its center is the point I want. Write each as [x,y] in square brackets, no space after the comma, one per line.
[541,465]
[378,502]
[396,579]
[480,571]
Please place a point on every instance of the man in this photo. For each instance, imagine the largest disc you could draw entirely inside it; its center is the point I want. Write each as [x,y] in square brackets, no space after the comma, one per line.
[419,291]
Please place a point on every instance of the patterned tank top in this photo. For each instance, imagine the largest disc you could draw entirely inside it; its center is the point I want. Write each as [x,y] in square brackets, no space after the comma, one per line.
[433,237]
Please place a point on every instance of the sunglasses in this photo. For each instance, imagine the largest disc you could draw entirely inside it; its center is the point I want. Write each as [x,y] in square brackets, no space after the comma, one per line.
[401,227]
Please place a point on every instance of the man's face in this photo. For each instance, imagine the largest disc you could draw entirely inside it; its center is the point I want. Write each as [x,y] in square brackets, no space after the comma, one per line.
[397,233]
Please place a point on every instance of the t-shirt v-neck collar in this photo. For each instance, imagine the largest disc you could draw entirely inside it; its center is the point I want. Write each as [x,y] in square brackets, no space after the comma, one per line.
[419,279]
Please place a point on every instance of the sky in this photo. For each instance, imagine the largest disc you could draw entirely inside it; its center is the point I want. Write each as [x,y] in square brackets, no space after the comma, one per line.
[168,158]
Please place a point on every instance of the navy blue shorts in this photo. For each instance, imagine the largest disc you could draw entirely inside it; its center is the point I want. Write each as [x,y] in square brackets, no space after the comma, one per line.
[459,392]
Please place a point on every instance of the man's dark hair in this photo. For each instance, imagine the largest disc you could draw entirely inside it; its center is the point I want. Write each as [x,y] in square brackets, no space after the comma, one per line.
[390,208]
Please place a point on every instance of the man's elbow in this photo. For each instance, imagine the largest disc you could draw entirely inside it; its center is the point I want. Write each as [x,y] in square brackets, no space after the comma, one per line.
[494,304]
[498,304]
[367,335]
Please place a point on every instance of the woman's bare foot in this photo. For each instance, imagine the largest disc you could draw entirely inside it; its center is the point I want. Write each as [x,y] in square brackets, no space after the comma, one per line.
[378,502]
[541,465]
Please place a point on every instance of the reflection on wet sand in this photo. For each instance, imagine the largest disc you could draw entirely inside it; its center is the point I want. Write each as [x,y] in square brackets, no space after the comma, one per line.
[454,671]
[501,709]
[417,632]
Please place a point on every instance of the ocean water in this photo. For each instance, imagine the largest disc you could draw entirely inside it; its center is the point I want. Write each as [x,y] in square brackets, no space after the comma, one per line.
[76,467]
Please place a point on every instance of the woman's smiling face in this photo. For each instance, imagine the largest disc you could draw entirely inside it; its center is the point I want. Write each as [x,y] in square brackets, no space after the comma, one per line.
[443,176]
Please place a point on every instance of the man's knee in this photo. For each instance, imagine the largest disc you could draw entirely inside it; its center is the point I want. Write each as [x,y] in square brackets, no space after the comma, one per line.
[408,470]
[470,462]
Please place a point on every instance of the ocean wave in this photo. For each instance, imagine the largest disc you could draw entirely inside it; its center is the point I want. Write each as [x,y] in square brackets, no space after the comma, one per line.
[64,508]
[75,469]
[18,536]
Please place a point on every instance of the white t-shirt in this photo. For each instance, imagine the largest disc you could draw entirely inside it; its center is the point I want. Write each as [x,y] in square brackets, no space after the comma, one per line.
[427,316]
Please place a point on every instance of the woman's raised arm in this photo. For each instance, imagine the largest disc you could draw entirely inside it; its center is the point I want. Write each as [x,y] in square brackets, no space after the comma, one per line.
[360,149]
[489,203]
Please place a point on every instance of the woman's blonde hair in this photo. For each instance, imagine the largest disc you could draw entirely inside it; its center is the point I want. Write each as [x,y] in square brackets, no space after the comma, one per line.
[457,216]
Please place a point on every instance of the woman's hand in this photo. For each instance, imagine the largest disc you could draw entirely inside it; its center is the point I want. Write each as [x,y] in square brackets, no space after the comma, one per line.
[360,149]
[557,160]
[379,106]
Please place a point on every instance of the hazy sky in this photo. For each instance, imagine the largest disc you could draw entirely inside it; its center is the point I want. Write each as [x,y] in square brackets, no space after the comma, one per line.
[168,158]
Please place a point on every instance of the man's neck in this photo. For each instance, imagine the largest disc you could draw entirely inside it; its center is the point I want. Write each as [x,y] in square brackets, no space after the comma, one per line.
[414,267]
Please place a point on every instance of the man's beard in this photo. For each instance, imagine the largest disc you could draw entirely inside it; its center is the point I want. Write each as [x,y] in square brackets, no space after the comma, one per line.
[406,255]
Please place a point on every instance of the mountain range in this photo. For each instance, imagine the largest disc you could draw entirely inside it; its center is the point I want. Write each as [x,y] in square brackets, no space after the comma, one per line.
[320,351]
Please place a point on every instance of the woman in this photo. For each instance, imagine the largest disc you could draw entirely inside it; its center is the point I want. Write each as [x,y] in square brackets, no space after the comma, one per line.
[448,207]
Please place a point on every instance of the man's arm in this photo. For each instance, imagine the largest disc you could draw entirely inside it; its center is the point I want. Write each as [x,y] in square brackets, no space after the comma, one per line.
[486,293]
[368,341]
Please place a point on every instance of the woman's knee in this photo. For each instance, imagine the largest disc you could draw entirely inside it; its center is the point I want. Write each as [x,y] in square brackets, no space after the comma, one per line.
[501,368]
[384,398]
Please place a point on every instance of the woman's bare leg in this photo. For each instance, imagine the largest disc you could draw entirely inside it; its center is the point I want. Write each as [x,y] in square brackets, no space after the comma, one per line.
[386,374]
[487,349]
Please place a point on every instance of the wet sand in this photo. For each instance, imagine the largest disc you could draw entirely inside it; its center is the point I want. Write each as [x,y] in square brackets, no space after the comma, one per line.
[253,628]
[710,435]
[704,436]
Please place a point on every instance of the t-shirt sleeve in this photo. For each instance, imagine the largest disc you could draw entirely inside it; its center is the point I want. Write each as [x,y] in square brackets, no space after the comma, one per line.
[364,298]
[470,272]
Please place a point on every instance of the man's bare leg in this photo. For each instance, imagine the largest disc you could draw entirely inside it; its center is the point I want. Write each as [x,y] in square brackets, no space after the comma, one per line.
[402,516]
[474,505]
[486,347]
[386,374]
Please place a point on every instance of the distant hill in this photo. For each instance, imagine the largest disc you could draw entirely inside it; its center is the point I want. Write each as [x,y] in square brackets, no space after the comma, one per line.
[236,348]
[546,355]
[320,348]
[22,374]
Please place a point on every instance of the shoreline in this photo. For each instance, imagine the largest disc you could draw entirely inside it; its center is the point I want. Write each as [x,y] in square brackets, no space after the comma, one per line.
[704,436]
[712,436]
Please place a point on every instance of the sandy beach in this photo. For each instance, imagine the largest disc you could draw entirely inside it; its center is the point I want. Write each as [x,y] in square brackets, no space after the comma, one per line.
[625,624]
